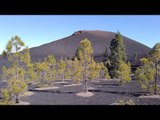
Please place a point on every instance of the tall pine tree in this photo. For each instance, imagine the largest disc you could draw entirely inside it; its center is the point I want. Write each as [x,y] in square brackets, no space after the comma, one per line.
[15,53]
[117,55]
[155,58]
[84,54]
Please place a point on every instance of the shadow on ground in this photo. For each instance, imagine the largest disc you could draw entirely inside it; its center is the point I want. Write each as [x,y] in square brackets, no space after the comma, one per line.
[57,91]
[106,84]
[137,94]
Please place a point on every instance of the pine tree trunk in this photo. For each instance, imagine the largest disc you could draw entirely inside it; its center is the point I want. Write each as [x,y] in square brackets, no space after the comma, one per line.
[17,69]
[155,90]
[41,77]
[85,67]
[86,86]
[63,78]
[17,98]
[17,73]
[50,77]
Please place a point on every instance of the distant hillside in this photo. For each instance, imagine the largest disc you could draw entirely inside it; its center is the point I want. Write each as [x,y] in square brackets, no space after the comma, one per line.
[66,47]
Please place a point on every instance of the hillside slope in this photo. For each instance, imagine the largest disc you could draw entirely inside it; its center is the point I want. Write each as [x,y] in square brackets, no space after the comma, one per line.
[66,47]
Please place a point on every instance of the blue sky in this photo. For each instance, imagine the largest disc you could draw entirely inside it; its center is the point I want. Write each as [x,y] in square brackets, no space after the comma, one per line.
[36,30]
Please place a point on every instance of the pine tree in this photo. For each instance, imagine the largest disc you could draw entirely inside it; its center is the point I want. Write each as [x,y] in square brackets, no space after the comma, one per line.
[67,73]
[51,63]
[17,87]
[94,70]
[148,75]
[155,58]
[37,69]
[76,70]
[6,96]
[27,65]
[4,71]
[30,75]
[42,73]
[61,69]
[13,48]
[106,60]
[145,75]
[123,73]
[105,54]
[118,54]
[103,73]
[85,52]
[41,70]
[16,73]
[78,53]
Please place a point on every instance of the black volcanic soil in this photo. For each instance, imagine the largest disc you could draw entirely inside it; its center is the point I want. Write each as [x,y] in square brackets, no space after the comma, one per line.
[105,93]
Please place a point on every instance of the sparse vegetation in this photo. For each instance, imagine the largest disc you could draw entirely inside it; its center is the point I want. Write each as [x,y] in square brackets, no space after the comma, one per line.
[125,102]
[145,75]
[148,75]
[81,68]
[103,73]
[6,96]
[51,66]
[61,69]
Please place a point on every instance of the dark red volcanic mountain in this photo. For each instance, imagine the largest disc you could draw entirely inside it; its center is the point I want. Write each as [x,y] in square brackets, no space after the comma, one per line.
[66,47]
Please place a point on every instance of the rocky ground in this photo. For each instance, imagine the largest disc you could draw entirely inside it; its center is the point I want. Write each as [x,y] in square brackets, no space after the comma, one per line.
[100,92]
